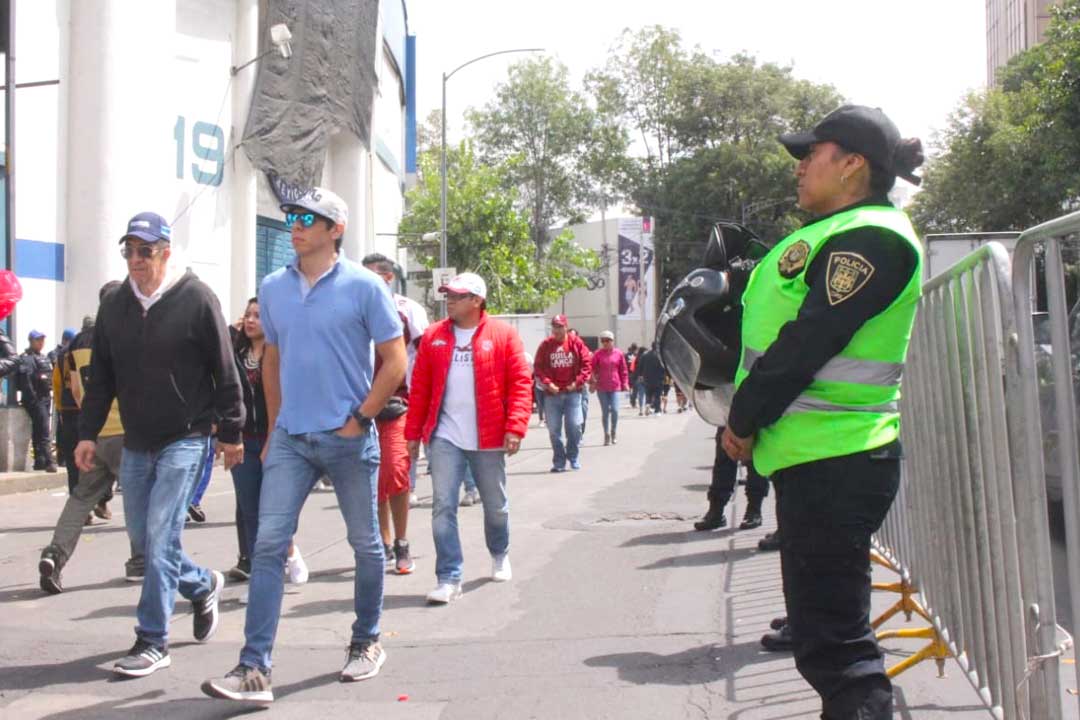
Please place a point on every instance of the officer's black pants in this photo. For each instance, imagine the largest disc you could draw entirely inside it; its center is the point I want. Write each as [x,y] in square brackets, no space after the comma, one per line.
[38,410]
[828,511]
[724,471]
[67,437]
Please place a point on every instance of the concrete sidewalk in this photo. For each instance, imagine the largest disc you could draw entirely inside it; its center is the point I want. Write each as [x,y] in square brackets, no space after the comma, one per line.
[617,609]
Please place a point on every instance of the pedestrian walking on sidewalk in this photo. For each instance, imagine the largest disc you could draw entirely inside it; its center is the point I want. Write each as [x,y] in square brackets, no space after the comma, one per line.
[67,422]
[396,464]
[161,347]
[320,315]
[563,366]
[94,488]
[35,388]
[611,376]
[470,402]
[651,373]
[827,317]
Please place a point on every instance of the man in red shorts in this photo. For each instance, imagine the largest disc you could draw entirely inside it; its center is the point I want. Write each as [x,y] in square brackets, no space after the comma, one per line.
[395,462]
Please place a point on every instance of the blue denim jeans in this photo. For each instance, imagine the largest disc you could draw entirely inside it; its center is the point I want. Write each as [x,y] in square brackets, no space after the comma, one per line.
[584,409]
[158,486]
[564,408]
[204,480]
[293,464]
[448,464]
[247,482]
[609,410]
[638,391]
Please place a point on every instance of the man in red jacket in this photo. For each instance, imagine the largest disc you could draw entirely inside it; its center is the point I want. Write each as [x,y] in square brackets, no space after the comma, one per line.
[563,365]
[470,399]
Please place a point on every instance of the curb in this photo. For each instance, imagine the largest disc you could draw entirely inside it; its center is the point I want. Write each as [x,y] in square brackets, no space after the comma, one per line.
[21,482]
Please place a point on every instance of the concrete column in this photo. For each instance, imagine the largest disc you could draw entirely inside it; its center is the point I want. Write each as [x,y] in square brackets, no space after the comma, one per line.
[347,176]
[119,127]
[244,202]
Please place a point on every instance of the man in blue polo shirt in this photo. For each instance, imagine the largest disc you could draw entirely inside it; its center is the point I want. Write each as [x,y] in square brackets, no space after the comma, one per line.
[321,316]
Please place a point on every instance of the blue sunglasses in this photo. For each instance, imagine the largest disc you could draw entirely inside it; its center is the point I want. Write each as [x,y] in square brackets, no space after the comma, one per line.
[306,219]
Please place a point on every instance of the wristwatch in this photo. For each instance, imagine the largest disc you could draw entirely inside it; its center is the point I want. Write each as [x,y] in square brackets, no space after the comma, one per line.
[365,421]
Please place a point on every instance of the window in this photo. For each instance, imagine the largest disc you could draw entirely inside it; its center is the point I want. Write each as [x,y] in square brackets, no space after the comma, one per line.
[273,247]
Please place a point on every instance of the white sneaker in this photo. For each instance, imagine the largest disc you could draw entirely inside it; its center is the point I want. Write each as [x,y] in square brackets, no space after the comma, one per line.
[500,568]
[413,500]
[297,568]
[244,598]
[444,593]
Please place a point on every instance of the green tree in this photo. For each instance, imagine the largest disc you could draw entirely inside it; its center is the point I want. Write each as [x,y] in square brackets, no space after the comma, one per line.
[1009,157]
[487,235]
[537,128]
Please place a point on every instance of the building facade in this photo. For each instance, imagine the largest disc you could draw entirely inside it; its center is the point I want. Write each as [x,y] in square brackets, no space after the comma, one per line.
[146,114]
[1013,26]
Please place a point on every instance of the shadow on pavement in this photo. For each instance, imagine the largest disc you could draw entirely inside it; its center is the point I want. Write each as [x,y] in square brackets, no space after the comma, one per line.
[202,708]
[77,670]
[704,559]
[675,537]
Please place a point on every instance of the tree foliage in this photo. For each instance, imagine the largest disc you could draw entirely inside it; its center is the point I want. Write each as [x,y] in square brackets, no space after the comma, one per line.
[537,128]
[1009,157]
[487,235]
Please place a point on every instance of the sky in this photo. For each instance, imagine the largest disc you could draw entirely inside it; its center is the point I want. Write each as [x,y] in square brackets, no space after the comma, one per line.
[913,58]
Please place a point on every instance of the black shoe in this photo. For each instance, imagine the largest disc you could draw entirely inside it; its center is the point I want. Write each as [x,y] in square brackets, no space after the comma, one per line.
[778,623]
[750,521]
[205,609]
[715,517]
[779,641]
[241,571]
[134,569]
[49,571]
[142,659]
[51,468]
[196,514]
[770,542]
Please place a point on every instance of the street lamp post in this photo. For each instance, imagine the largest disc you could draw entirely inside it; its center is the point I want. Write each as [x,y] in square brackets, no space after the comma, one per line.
[442,210]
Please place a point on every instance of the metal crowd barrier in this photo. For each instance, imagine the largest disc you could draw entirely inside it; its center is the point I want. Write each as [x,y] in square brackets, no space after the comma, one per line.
[968,532]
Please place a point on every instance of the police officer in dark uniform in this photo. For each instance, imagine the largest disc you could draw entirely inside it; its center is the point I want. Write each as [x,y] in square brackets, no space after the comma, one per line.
[35,384]
[722,487]
[826,324]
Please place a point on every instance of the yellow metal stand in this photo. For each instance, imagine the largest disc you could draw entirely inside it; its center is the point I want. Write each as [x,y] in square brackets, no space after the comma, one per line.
[908,605]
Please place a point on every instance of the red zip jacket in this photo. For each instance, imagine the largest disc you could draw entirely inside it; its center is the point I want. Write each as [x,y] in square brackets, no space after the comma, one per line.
[503,382]
[563,363]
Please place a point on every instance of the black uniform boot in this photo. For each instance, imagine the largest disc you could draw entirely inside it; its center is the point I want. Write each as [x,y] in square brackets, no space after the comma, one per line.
[752,516]
[714,517]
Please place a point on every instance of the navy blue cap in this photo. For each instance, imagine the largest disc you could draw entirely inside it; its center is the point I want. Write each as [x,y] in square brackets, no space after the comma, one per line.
[36,334]
[149,227]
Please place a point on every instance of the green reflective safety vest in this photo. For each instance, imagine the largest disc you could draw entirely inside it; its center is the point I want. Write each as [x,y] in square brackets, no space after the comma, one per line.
[852,403]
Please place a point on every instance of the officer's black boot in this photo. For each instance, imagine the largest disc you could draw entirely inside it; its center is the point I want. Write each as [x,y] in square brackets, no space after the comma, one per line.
[752,516]
[714,517]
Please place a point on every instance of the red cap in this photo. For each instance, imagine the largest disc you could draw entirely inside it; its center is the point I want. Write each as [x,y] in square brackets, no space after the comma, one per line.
[559,321]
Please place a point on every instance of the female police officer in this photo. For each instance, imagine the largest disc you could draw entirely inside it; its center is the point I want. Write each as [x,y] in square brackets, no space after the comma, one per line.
[827,319]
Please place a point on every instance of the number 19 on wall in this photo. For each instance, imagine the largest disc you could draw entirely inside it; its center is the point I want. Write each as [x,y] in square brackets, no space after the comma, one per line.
[208,146]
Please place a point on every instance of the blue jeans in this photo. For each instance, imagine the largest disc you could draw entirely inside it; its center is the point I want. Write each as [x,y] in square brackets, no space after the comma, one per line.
[448,463]
[609,410]
[204,480]
[247,482]
[293,464]
[638,391]
[584,409]
[564,408]
[158,487]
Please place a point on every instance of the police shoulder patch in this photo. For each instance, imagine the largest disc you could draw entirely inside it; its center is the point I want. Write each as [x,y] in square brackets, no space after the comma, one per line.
[846,275]
[793,260]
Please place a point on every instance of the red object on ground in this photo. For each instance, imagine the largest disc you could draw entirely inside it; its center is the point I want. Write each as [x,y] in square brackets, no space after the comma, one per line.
[402,698]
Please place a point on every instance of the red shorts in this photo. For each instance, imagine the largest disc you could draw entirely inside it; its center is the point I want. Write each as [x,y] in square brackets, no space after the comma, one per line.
[395,462]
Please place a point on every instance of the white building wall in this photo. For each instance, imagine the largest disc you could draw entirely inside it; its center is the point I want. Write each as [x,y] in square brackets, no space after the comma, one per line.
[144,118]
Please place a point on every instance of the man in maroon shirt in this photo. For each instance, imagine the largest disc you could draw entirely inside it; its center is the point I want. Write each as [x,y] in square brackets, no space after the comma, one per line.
[563,365]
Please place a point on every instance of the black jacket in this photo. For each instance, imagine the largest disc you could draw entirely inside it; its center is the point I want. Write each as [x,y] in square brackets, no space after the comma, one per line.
[255,417]
[171,368]
[35,376]
[651,368]
[9,359]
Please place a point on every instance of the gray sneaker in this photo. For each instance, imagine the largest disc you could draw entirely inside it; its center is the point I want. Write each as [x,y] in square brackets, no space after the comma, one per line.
[365,659]
[243,683]
[142,659]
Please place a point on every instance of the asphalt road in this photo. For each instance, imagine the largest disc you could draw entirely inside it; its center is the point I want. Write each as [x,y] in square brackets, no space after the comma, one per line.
[617,609]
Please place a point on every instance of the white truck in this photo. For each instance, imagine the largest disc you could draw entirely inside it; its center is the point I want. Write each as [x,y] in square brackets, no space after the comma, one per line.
[532,329]
[946,249]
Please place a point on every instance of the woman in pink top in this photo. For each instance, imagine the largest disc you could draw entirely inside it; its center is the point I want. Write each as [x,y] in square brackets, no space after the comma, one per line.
[610,375]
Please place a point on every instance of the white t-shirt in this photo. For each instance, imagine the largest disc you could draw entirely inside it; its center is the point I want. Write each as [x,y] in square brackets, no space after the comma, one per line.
[416,321]
[457,418]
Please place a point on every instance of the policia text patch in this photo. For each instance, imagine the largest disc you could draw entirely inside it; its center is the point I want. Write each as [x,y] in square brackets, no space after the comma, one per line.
[847,274]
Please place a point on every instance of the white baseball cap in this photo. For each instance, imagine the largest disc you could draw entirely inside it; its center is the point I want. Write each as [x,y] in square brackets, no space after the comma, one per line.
[321,202]
[607,335]
[466,283]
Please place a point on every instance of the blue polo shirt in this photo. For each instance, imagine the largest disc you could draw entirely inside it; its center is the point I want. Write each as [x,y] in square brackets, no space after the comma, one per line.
[324,337]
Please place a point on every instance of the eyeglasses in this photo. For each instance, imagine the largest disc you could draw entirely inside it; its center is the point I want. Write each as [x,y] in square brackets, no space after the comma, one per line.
[144,251]
[306,219]
[454,297]
[606,340]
